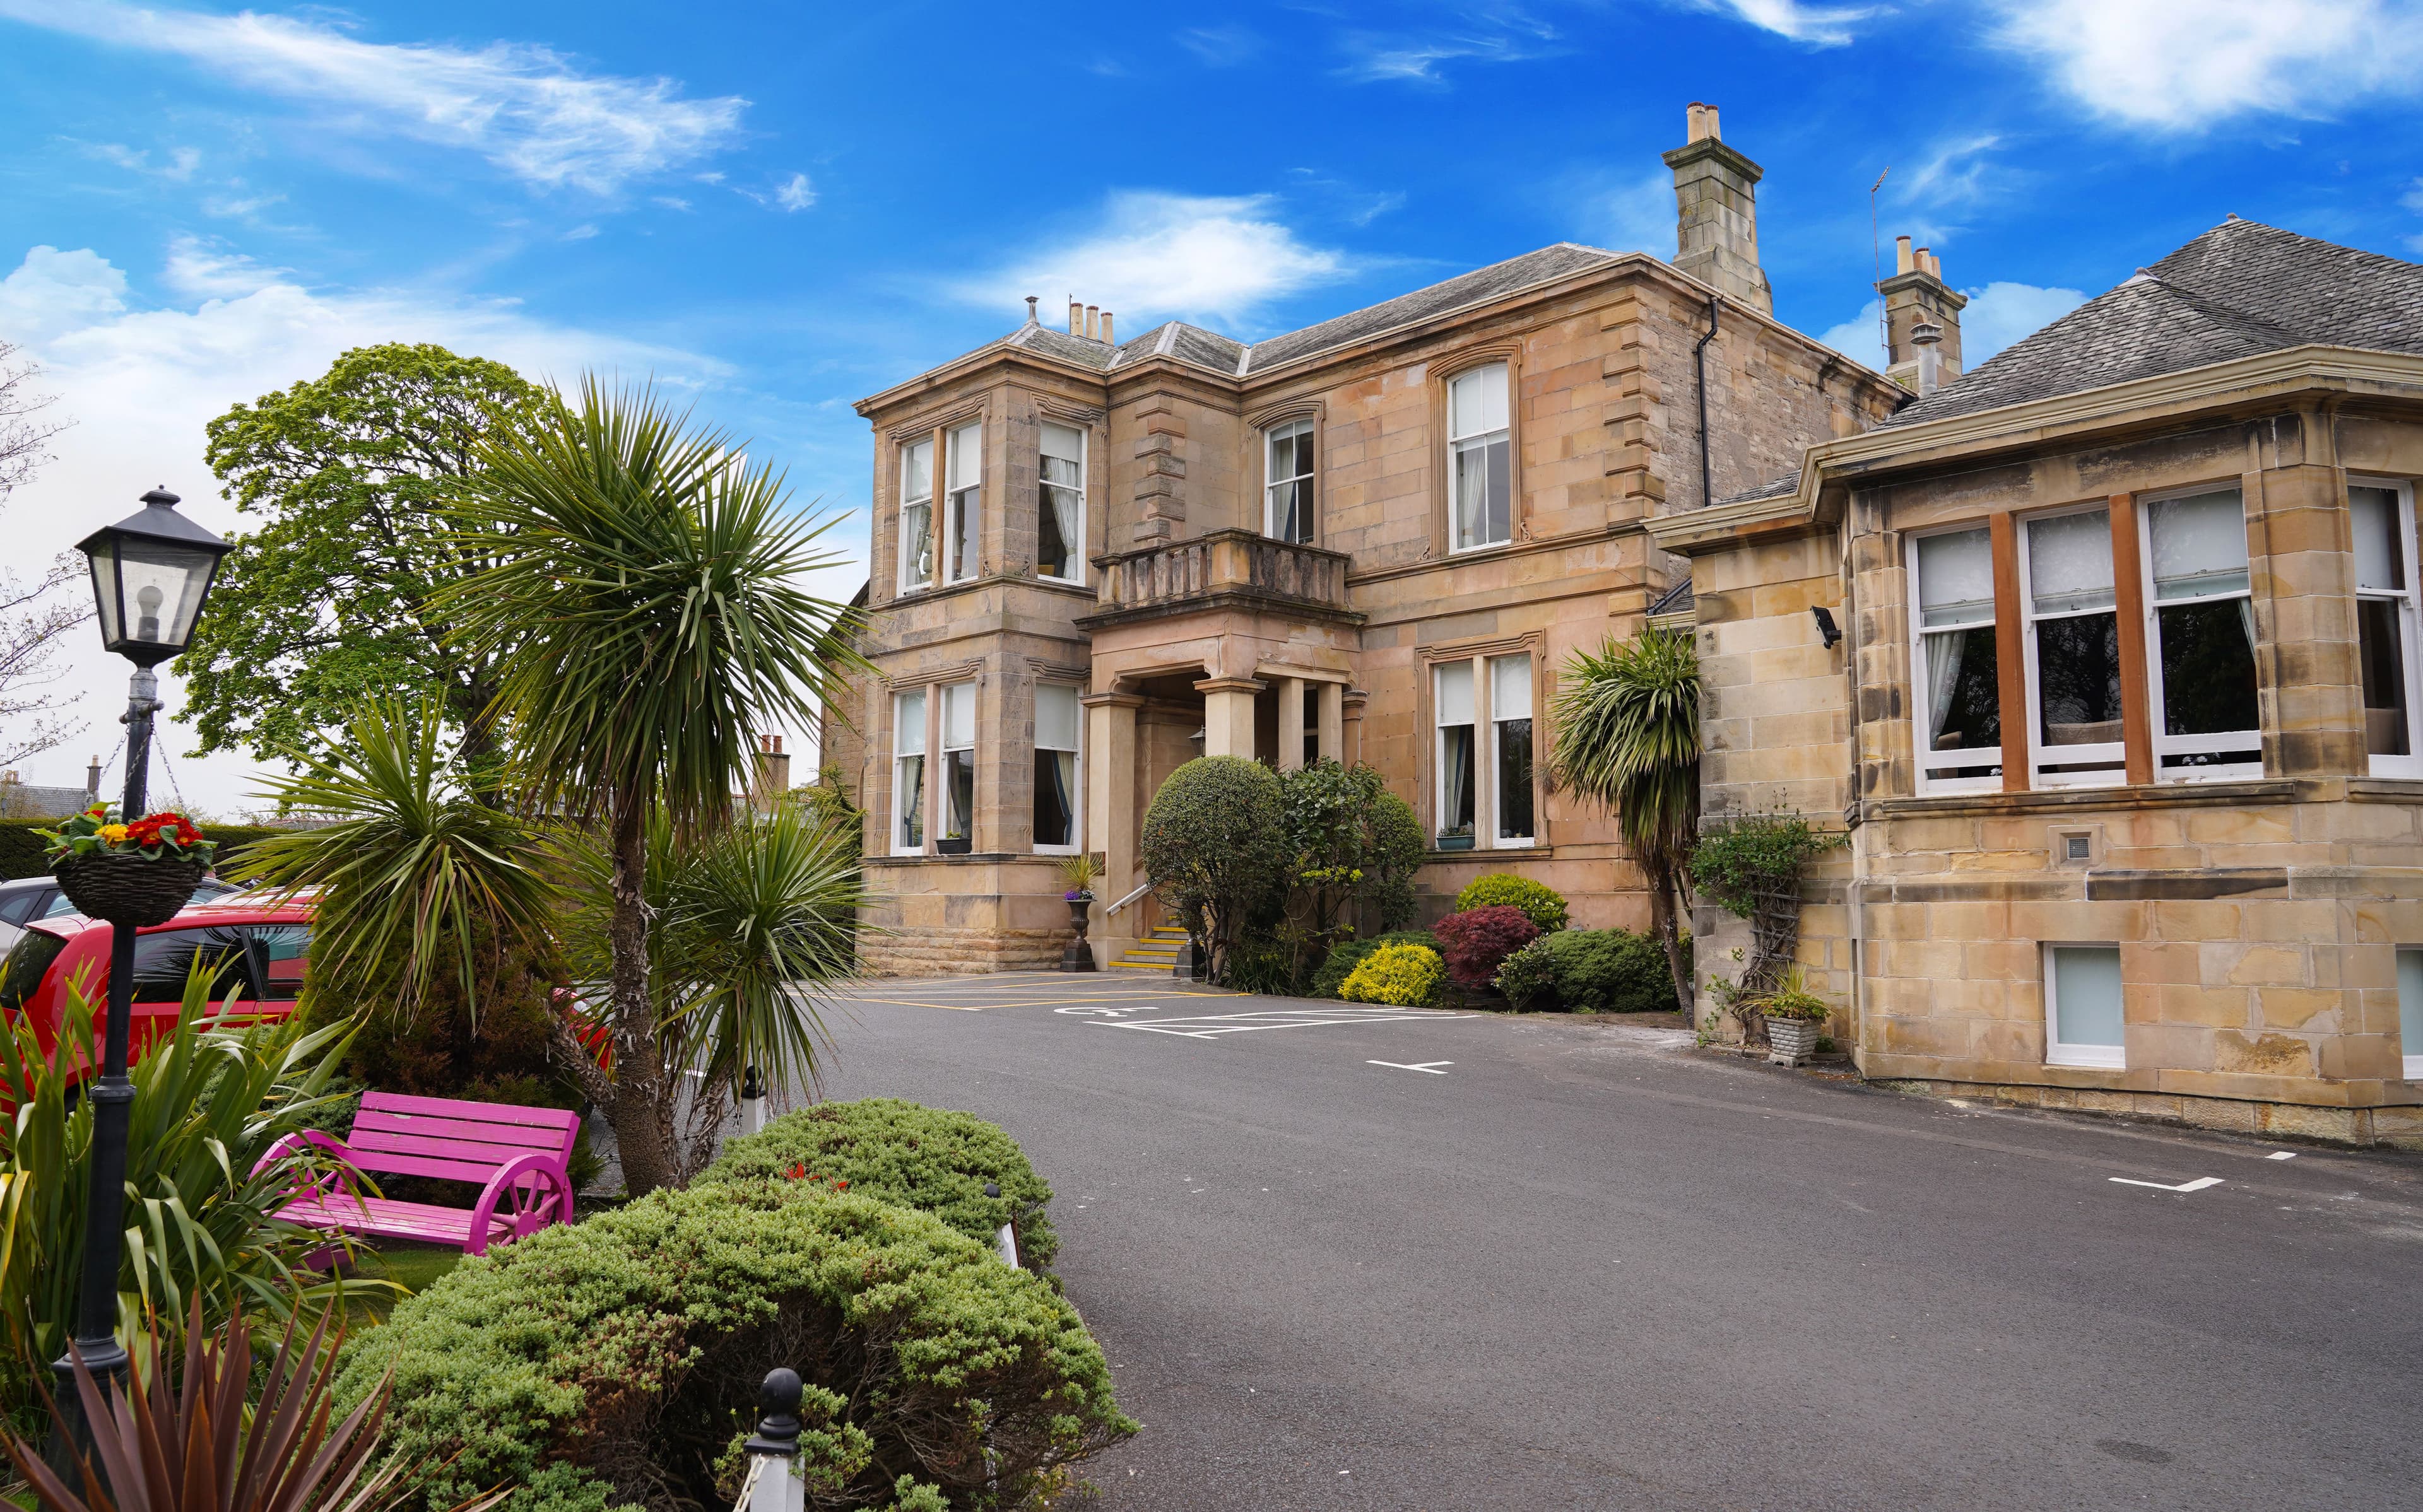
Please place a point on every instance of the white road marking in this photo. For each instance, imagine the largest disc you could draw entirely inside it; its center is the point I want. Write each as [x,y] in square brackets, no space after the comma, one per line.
[1431,1066]
[2281,1154]
[1211,1026]
[2199,1183]
[1111,1013]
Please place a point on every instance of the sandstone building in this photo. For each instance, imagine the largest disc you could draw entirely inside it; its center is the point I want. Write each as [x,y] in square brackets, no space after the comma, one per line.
[2123,719]
[1373,539]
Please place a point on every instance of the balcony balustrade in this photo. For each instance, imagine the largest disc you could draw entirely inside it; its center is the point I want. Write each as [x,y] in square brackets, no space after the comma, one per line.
[1225,566]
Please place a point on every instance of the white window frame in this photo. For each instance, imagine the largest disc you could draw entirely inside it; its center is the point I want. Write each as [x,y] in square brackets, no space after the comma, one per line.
[1439,728]
[2116,752]
[2410,620]
[938,805]
[1457,444]
[1077,793]
[901,729]
[1077,547]
[2088,1057]
[962,512]
[933,543]
[2410,1046]
[1272,435]
[2156,716]
[1485,668]
[1927,759]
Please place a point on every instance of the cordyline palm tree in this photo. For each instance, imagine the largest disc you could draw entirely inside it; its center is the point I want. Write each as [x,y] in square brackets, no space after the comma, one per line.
[646,598]
[1627,734]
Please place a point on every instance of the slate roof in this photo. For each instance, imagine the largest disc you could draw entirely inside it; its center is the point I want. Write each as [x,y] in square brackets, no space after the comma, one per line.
[1233,358]
[1789,482]
[2240,289]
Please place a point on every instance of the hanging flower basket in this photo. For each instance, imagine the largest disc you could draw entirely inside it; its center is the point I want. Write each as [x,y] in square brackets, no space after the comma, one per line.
[137,874]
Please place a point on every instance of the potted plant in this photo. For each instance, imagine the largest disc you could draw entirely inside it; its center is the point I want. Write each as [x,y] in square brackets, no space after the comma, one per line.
[1793,1016]
[1455,837]
[1080,872]
[139,875]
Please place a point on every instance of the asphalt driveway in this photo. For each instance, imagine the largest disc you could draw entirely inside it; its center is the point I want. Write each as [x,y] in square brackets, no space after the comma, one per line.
[1351,1258]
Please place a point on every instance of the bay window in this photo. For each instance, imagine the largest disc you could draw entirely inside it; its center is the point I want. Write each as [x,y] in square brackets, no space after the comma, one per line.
[958,769]
[916,517]
[1453,700]
[1287,494]
[2072,639]
[1056,785]
[2085,1023]
[1958,669]
[1510,749]
[908,773]
[1480,459]
[2382,519]
[1060,513]
[2202,647]
[962,512]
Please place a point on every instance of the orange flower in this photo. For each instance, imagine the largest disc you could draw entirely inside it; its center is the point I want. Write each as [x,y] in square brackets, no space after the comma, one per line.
[113,832]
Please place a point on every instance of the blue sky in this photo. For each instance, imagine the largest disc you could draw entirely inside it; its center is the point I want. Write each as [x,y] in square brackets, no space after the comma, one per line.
[781,208]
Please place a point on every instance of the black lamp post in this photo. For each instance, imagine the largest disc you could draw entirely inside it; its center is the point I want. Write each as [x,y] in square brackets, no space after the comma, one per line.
[151,572]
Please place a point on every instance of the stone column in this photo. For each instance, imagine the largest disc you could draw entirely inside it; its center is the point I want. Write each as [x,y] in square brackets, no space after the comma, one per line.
[1351,701]
[1291,723]
[1228,715]
[1333,721]
[1111,818]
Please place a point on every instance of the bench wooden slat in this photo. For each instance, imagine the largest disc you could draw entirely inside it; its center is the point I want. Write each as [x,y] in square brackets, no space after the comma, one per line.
[443,1147]
[386,1217]
[385,1162]
[516,1137]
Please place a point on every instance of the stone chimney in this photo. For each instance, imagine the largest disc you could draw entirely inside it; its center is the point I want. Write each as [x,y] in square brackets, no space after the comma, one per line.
[773,772]
[1916,296]
[1715,200]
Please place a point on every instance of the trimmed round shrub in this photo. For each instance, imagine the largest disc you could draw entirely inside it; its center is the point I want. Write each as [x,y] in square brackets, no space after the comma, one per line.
[1542,906]
[930,1158]
[1475,941]
[1344,957]
[616,1362]
[1214,844]
[1402,976]
[1528,977]
[1610,971]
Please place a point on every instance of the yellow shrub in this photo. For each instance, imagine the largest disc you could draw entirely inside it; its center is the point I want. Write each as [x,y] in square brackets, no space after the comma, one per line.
[1404,976]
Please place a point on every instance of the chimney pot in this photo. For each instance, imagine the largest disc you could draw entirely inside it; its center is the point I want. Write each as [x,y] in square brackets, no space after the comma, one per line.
[1031,301]
[778,745]
[1076,316]
[1106,329]
[1903,260]
[1093,322]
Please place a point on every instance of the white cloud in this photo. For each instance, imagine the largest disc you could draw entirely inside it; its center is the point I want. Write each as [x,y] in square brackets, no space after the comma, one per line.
[524,108]
[1374,57]
[1155,255]
[1220,47]
[140,384]
[1997,316]
[1817,26]
[2177,67]
[182,161]
[1637,217]
[795,193]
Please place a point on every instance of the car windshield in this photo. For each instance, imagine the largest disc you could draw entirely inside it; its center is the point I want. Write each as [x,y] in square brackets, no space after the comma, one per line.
[28,960]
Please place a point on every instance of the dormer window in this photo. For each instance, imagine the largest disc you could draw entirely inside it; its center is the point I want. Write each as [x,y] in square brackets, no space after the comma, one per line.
[916,517]
[1287,494]
[1060,512]
[962,511]
[1480,459]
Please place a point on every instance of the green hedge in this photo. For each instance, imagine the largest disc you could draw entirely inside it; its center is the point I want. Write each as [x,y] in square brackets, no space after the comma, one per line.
[21,847]
[616,1360]
[928,1159]
[1609,970]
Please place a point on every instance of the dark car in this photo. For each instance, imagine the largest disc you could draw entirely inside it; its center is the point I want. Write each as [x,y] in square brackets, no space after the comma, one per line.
[24,899]
[254,949]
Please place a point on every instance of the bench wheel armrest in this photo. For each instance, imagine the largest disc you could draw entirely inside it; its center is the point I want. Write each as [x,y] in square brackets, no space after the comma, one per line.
[528,1191]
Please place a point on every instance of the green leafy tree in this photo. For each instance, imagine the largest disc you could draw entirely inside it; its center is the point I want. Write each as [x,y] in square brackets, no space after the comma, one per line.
[1353,847]
[1215,843]
[1628,734]
[330,601]
[644,601]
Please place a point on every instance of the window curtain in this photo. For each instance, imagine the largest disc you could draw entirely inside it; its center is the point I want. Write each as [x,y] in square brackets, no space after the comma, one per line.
[1459,778]
[918,547]
[1944,651]
[1058,770]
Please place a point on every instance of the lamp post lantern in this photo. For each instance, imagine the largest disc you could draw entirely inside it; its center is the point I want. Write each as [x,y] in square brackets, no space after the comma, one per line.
[151,572]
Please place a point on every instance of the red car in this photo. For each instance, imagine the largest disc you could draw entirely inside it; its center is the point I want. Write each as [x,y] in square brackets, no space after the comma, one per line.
[255,950]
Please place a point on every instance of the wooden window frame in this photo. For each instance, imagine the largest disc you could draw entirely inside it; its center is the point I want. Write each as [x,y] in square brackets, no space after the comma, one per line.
[1267,432]
[1484,794]
[2127,606]
[931,440]
[1443,496]
[1920,679]
[1076,687]
[947,532]
[1079,548]
[2410,629]
[2133,530]
[923,693]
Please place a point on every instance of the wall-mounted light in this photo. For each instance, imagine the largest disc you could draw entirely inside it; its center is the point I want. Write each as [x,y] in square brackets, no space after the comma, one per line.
[1826,626]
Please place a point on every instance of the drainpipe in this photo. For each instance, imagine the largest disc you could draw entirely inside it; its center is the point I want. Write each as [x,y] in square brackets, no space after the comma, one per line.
[1699,367]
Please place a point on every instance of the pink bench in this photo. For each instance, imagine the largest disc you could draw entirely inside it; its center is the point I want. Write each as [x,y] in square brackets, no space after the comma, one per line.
[517,1155]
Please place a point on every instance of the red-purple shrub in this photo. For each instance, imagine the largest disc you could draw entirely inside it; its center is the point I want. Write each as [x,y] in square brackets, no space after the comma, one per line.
[1474,941]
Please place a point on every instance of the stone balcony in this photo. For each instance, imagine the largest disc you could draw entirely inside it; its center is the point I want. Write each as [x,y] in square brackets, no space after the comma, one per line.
[1225,569]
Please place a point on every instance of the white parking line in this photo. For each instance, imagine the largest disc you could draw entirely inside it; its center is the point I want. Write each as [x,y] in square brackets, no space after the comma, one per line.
[2199,1183]
[1211,1026]
[1431,1066]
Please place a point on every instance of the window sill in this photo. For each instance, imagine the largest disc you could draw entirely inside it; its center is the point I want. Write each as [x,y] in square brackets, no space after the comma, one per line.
[2079,1058]
[2054,800]
[2385,789]
[974,858]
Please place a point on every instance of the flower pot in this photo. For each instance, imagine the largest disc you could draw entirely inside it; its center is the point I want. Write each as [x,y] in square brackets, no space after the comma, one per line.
[1455,842]
[1079,956]
[123,887]
[1791,1041]
[949,845]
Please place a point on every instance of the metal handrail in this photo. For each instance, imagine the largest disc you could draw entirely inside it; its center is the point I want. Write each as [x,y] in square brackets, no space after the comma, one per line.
[1142,887]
